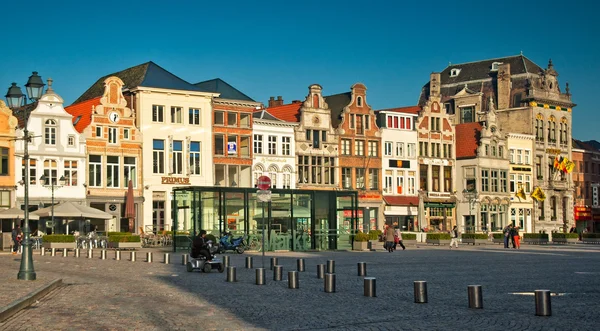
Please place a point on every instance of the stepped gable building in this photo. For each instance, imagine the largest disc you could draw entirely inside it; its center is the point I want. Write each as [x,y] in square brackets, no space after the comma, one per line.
[8,126]
[399,165]
[586,179]
[175,118]
[359,152]
[232,134]
[114,155]
[436,137]
[529,101]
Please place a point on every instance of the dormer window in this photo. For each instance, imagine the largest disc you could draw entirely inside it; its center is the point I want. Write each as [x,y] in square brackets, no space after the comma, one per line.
[495,66]
[454,72]
[359,101]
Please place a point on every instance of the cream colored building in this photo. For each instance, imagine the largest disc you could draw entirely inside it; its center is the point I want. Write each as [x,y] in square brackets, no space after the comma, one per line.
[521,150]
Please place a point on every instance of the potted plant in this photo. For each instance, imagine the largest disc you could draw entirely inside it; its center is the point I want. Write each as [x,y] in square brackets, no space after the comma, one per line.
[440,238]
[124,241]
[374,243]
[591,238]
[59,241]
[360,242]
[565,238]
[535,238]
[474,238]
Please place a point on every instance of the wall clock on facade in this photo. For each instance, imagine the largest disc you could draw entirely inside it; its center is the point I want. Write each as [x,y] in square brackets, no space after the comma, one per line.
[114,117]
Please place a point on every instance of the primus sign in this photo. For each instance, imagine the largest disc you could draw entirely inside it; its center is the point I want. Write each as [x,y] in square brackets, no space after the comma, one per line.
[175,180]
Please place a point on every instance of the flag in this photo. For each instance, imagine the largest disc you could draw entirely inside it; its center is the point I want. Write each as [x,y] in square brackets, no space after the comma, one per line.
[521,194]
[538,194]
[570,166]
[563,164]
[556,162]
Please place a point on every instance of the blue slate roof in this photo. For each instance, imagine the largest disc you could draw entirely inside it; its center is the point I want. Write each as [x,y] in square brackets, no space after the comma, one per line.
[226,91]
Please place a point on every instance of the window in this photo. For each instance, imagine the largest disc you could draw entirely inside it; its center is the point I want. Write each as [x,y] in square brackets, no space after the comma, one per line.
[352,121]
[387,148]
[388,182]
[219,118]
[219,144]
[360,178]
[232,119]
[527,157]
[50,171]
[95,170]
[71,140]
[126,134]
[245,120]
[423,149]
[501,151]
[286,146]
[176,115]
[511,155]
[177,165]
[466,115]
[359,125]
[454,72]
[130,170]
[346,147]
[367,122]
[447,179]
[272,145]
[32,171]
[494,186]
[112,171]
[347,178]
[527,183]
[360,147]
[158,114]
[4,167]
[374,179]
[194,116]
[519,156]
[232,141]
[323,136]
[503,183]
[423,177]
[287,177]
[485,180]
[411,183]
[158,156]
[359,101]
[399,181]
[494,150]
[400,149]
[244,146]
[258,171]
[316,170]
[70,173]
[258,144]
[435,178]
[373,148]
[411,150]
[5,199]
[195,157]
[329,168]
[272,171]
[303,165]
[435,123]
[98,131]
[539,128]
[112,135]
[50,132]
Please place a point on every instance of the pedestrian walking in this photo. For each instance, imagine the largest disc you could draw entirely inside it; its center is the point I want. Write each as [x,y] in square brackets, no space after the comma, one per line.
[17,238]
[516,238]
[389,238]
[512,237]
[454,235]
[506,232]
[398,239]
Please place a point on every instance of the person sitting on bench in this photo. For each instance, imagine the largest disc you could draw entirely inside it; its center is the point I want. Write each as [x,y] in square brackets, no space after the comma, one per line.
[199,246]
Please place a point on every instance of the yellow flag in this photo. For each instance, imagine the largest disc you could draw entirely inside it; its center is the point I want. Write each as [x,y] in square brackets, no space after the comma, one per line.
[521,194]
[538,194]
[570,166]
[563,164]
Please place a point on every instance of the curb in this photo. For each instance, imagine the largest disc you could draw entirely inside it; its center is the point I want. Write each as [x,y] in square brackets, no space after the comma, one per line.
[26,301]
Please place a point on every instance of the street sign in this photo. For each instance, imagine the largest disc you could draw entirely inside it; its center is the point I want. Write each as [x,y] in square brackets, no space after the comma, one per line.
[263,183]
[263,195]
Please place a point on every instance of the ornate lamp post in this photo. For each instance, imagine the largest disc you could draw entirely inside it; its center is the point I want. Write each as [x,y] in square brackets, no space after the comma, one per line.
[471,196]
[15,99]
[51,184]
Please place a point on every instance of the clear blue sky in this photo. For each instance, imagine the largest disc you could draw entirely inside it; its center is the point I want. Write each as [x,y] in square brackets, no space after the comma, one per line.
[269,48]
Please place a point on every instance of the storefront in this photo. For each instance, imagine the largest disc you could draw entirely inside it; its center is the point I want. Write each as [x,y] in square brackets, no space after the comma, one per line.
[293,220]
[584,218]
[402,211]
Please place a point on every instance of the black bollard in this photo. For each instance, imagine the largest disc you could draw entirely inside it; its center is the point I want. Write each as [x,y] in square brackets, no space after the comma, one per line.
[330,266]
[273,262]
[543,306]
[226,261]
[420,291]
[320,271]
[300,265]
[362,268]
[277,272]
[293,279]
[260,276]
[231,274]
[248,262]
[475,296]
[370,288]
[329,283]
[185,258]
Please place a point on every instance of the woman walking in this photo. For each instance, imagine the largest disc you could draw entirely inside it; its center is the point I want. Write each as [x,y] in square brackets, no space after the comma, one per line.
[398,238]
[389,238]
[516,238]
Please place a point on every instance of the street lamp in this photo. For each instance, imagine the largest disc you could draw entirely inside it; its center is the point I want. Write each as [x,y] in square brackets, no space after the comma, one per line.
[15,99]
[52,186]
[471,195]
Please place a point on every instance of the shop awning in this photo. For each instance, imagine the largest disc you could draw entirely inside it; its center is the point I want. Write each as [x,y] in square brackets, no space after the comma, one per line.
[393,200]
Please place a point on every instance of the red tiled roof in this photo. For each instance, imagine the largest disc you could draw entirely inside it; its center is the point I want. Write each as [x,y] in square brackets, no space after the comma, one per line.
[83,109]
[288,113]
[394,200]
[409,110]
[467,139]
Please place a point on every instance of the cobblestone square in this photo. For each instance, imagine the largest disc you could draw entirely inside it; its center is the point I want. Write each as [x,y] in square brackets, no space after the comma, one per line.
[124,295]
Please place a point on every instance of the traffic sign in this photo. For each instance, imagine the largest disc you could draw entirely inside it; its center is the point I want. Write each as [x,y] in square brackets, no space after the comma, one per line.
[263,195]
[263,183]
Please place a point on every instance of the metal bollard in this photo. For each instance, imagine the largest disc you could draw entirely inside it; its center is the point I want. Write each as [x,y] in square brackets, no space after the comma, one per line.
[42,251]
[273,262]
[277,272]
[132,257]
[184,259]
[330,266]
[475,296]
[260,276]
[320,271]
[226,261]
[231,274]
[370,287]
[53,252]
[420,291]
[90,253]
[77,252]
[149,257]
[248,262]
[103,254]
[167,259]
[362,268]
[117,255]
[329,283]
[293,279]
[543,306]
[65,252]
[300,265]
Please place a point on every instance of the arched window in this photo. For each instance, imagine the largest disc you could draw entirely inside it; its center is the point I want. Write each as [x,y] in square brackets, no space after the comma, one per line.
[273,175]
[359,101]
[258,171]
[50,132]
[539,128]
[287,176]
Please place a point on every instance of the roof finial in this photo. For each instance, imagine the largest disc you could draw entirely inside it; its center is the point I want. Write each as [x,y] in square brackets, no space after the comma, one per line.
[550,65]
[521,53]
[49,85]
[567,89]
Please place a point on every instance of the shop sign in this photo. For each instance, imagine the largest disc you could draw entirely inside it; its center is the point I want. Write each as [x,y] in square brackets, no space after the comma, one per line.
[348,213]
[175,180]
[553,151]
[369,196]
[583,213]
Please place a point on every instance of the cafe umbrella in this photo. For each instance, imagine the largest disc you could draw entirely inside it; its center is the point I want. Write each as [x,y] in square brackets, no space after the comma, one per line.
[70,210]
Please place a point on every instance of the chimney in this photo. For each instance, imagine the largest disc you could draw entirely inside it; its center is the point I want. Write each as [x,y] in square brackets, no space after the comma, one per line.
[434,84]
[275,103]
[504,86]
[296,101]
[271,102]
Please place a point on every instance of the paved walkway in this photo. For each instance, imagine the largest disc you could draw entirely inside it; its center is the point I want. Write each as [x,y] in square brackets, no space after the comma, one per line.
[124,295]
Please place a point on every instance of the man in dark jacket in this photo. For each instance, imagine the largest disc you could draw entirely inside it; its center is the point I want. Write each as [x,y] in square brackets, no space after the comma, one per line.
[199,246]
[507,235]
[16,237]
